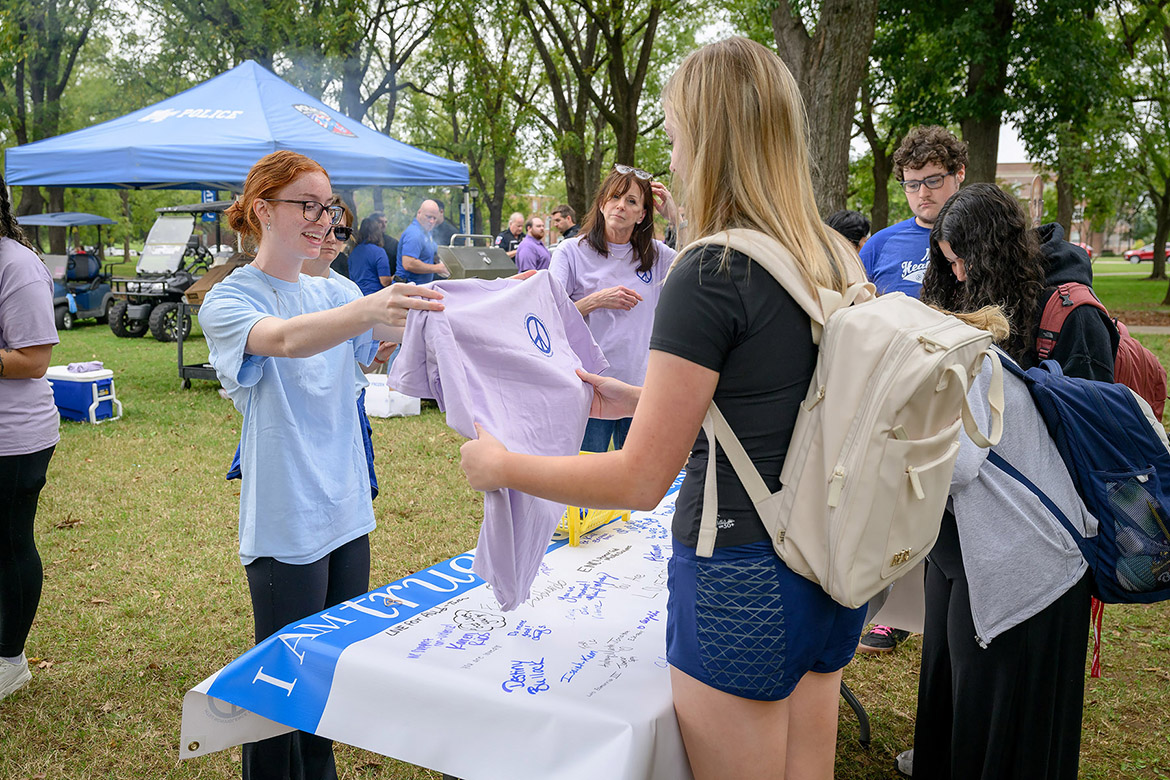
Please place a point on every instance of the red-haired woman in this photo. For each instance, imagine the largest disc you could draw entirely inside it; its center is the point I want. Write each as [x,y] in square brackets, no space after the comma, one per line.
[613,271]
[284,345]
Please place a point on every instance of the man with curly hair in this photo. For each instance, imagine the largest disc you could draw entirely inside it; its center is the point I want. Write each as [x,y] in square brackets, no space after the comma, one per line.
[930,165]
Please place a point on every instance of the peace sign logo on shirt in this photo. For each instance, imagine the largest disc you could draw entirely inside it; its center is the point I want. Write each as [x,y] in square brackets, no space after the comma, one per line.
[647,276]
[539,334]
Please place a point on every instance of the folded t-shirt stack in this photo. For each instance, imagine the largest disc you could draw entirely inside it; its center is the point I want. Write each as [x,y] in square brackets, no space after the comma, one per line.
[504,353]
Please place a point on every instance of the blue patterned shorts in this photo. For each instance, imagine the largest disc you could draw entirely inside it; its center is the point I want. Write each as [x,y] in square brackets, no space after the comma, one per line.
[744,623]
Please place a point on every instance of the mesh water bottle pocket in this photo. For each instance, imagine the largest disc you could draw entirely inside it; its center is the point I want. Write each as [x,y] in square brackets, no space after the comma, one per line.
[1141,532]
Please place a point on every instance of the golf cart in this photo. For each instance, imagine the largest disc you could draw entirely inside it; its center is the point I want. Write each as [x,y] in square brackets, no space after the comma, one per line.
[172,259]
[81,287]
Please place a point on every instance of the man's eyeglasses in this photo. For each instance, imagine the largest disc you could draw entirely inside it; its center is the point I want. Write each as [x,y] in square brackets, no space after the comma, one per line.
[931,182]
[641,174]
[312,209]
[342,233]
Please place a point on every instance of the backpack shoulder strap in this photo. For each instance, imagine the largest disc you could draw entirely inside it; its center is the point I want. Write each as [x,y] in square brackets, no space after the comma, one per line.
[716,429]
[771,255]
[1061,303]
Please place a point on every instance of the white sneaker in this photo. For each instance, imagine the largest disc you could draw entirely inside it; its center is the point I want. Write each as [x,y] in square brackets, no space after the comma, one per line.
[13,677]
[905,762]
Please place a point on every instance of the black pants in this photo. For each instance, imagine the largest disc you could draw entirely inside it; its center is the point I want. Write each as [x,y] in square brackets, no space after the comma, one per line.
[1012,710]
[21,480]
[281,594]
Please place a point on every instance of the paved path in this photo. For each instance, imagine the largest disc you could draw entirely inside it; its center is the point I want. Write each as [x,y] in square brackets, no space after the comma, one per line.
[1156,330]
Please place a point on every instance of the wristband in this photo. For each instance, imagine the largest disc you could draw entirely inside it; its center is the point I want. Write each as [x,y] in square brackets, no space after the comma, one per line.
[379,362]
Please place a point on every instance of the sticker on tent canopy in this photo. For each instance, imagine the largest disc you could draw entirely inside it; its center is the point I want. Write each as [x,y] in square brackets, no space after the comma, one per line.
[324,120]
[160,114]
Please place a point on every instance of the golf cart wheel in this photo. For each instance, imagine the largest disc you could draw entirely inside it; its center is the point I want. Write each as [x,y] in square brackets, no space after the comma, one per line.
[164,322]
[64,317]
[105,317]
[124,327]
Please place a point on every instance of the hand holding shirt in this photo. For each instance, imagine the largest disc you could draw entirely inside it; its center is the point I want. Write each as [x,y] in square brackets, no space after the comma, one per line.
[504,353]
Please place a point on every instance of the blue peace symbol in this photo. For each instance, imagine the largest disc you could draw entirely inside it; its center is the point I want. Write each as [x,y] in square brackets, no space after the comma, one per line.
[538,333]
[647,276]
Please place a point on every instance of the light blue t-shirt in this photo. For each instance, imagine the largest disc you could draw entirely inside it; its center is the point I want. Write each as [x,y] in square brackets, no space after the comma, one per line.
[415,242]
[299,413]
[896,258]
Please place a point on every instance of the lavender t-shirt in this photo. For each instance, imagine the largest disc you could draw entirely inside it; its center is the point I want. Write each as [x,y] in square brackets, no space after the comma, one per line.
[504,354]
[624,336]
[28,416]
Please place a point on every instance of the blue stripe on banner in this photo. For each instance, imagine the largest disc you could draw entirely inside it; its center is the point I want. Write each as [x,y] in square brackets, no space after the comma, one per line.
[283,681]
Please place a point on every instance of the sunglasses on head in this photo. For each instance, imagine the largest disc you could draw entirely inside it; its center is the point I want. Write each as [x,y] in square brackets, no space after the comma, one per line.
[641,174]
[342,233]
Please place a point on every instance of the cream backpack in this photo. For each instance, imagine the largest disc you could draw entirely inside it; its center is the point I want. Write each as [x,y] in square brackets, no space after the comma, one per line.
[868,470]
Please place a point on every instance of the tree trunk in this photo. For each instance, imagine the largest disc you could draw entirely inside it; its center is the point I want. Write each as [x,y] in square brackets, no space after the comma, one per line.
[499,190]
[31,201]
[986,87]
[883,168]
[1161,232]
[829,66]
[1064,201]
[982,137]
[57,236]
[571,114]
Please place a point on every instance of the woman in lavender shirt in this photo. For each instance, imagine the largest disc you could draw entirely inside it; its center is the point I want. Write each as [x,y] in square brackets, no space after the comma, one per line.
[28,435]
[613,271]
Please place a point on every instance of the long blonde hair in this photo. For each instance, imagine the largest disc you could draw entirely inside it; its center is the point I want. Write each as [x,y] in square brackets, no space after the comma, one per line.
[739,114]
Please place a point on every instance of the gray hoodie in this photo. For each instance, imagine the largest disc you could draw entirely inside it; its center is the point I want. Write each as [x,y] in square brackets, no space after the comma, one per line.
[1018,557]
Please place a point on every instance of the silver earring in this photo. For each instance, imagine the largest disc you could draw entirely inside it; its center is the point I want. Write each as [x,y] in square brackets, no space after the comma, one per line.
[270,226]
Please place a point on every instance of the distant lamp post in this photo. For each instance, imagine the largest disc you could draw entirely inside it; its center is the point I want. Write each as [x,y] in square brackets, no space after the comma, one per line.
[468,211]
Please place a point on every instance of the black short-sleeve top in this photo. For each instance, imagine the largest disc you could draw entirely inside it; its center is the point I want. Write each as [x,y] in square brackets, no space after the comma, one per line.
[736,319]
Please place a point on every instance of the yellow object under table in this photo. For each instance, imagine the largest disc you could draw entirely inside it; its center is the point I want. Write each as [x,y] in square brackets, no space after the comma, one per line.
[578,521]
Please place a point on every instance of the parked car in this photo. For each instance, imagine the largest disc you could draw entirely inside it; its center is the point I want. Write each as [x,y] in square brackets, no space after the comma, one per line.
[1146,253]
[1086,247]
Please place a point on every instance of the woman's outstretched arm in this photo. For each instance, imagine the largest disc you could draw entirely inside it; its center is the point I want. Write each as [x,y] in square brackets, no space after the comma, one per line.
[669,414]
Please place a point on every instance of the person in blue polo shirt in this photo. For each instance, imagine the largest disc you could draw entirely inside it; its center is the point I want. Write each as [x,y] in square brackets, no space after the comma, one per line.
[416,247]
[930,165]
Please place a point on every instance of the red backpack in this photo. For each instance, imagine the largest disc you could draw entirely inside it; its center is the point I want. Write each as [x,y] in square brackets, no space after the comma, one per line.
[1135,366]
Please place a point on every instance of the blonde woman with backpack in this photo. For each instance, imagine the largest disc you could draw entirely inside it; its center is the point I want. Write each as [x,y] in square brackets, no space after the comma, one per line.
[756,651]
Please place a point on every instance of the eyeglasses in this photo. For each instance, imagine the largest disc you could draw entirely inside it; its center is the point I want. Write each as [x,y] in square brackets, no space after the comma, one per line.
[641,174]
[342,233]
[312,209]
[931,182]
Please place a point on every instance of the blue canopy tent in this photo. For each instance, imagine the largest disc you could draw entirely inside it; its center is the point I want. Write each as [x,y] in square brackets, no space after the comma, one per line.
[64,219]
[209,136]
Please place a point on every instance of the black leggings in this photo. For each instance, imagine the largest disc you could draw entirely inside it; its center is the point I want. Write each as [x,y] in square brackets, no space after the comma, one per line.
[1010,710]
[281,594]
[21,480]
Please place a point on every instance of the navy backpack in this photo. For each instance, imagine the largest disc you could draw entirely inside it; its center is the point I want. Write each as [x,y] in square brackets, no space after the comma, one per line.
[1121,470]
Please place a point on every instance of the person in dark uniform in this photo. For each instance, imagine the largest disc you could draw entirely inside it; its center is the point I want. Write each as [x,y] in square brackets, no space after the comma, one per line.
[509,239]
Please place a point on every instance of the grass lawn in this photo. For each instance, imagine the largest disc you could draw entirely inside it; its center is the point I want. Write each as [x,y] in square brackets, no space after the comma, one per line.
[145,596]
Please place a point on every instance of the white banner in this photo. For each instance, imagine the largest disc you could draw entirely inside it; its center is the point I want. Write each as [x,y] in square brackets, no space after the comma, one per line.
[573,684]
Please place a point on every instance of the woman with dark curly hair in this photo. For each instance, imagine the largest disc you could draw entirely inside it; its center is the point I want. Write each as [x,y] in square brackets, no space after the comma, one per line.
[1001,688]
[982,252]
